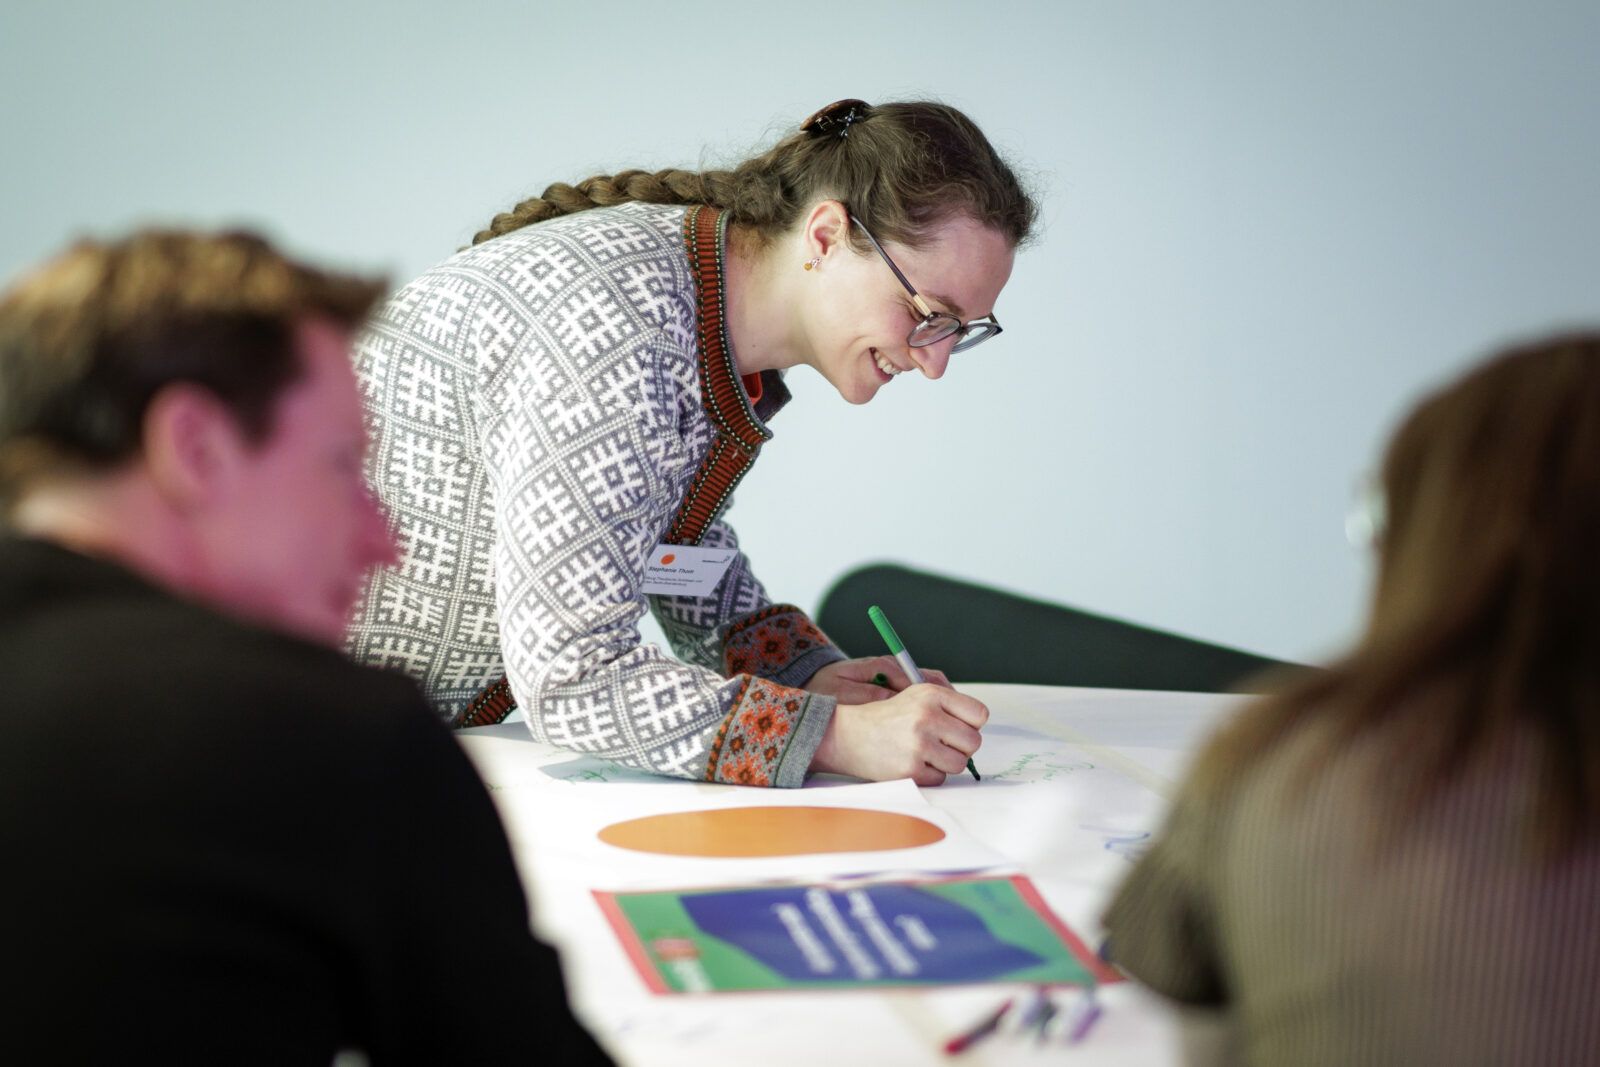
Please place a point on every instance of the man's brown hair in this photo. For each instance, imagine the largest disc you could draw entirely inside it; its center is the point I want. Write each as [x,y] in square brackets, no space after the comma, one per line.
[90,337]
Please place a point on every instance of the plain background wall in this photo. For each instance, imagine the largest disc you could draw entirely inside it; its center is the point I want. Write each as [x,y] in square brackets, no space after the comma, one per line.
[1267,227]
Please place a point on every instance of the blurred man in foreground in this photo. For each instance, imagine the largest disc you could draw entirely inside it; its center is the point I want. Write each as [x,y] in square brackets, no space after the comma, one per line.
[223,842]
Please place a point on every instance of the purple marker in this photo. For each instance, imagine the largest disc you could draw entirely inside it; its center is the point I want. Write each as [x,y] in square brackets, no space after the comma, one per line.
[1085,1018]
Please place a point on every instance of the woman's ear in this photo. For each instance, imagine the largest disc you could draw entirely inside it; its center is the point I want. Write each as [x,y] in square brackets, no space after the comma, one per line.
[826,229]
[192,447]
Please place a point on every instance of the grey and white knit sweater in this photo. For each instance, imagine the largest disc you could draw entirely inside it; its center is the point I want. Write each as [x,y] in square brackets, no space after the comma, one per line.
[538,420]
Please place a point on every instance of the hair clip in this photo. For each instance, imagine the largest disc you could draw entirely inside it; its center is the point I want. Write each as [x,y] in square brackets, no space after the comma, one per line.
[836,118]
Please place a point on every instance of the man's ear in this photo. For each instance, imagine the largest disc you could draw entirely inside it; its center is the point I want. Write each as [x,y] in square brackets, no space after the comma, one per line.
[192,447]
[826,229]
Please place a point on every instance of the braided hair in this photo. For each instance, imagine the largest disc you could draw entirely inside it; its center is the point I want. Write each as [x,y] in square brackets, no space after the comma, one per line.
[903,168]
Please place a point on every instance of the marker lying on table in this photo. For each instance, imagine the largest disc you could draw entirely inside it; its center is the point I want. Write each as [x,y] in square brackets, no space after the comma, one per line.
[1040,1010]
[1084,1017]
[907,664]
[985,1026]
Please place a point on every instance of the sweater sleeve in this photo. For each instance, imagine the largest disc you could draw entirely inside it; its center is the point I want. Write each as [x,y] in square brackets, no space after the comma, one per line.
[576,473]
[1161,922]
[737,630]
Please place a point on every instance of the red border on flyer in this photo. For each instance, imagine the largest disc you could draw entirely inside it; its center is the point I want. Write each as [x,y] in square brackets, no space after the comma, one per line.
[630,941]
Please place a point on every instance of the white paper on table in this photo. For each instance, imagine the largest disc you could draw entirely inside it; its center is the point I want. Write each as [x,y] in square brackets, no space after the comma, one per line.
[1045,800]
[906,1028]
[1072,812]
[569,834]
[1158,732]
[1069,826]
[506,755]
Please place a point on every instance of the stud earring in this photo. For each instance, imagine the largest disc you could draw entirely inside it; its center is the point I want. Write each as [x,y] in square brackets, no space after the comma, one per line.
[811,264]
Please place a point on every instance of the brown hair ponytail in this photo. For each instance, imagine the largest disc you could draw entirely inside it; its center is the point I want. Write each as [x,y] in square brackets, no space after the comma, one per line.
[90,337]
[903,168]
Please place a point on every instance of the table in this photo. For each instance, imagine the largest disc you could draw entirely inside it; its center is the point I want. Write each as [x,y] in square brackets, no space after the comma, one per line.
[1076,780]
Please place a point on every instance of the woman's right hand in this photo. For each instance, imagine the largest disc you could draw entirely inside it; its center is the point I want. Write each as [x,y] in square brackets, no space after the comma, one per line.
[922,733]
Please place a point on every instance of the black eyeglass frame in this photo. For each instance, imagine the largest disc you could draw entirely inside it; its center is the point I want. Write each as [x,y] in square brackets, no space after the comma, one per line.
[935,325]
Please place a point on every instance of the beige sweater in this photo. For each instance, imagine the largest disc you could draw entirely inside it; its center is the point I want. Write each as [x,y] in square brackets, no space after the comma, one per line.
[1318,943]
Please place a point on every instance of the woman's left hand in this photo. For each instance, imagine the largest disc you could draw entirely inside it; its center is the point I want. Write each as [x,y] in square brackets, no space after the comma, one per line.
[856,681]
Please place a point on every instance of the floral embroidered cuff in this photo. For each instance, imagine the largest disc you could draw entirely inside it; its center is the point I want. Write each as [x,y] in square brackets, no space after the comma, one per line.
[779,643]
[769,736]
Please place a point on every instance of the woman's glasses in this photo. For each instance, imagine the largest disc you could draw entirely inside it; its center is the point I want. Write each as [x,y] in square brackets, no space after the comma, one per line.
[936,325]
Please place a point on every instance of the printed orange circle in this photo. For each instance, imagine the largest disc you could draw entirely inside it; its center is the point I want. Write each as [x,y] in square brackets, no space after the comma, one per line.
[668,558]
[750,832]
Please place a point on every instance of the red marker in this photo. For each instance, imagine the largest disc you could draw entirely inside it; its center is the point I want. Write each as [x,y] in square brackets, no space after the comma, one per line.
[990,1023]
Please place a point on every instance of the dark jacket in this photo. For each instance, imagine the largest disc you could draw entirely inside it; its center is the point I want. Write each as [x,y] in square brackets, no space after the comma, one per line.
[223,844]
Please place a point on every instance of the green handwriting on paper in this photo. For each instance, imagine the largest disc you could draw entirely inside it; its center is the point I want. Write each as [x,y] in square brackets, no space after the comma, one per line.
[582,769]
[1042,767]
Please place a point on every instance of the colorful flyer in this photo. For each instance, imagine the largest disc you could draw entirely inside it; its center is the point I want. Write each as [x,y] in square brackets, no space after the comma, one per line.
[849,936]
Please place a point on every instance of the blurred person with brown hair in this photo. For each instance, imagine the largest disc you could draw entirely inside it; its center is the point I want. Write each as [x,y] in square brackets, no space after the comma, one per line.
[577,395]
[224,842]
[1398,861]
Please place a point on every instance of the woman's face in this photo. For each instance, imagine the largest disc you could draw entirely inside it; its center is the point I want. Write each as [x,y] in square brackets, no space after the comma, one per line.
[860,314]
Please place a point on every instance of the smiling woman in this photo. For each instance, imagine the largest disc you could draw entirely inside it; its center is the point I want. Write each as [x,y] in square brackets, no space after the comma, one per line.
[588,383]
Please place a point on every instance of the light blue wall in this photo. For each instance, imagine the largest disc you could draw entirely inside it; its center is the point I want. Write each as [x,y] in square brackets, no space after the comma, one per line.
[1268,226]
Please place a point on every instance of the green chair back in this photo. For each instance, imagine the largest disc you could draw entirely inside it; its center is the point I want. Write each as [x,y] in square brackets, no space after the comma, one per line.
[976,634]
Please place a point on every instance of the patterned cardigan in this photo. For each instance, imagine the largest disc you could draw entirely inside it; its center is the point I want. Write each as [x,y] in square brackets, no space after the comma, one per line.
[542,407]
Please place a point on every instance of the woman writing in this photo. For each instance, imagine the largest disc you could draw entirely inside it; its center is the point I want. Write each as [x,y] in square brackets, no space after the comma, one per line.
[572,400]
[1399,860]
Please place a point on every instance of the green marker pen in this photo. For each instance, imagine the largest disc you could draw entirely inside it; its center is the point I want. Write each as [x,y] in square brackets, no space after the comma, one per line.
[903,657]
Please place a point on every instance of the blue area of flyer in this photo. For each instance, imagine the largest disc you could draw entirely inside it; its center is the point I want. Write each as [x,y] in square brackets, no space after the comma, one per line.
[947,931]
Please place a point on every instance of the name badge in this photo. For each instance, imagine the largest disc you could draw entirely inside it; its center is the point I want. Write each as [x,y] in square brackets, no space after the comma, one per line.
[686,570]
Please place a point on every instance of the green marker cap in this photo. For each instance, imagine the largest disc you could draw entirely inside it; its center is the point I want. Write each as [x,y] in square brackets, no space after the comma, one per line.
[885,630]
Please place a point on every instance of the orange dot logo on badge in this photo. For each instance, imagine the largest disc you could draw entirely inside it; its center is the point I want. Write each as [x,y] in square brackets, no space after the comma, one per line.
[729,833]
[667,559]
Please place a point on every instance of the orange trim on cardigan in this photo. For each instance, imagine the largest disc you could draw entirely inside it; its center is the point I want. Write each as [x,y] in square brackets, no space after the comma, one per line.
[727,404]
